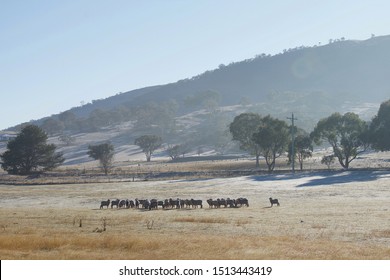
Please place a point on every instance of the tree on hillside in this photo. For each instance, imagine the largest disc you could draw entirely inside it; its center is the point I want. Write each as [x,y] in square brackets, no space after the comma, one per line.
[104,153]
[380,128]
[242,129]
[145,115]
[148,144]
[272,137]
[98,118]
[214,132]
[165,118]
[208,99]
[52,126]
[67,139]
[345,133]
[29,153]
[157,117]
[303,149]
[69,120]
[174,151]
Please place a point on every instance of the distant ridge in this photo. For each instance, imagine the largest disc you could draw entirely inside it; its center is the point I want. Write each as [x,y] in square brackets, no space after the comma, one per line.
[344,70]
[358,69]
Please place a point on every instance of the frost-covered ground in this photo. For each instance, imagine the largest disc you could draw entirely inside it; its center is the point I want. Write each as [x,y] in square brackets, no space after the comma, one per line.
[336,214]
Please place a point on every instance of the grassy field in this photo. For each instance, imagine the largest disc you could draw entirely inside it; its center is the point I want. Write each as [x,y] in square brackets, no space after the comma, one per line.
[323,215]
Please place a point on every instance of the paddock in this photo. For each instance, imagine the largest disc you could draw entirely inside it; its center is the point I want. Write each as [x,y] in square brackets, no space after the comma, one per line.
[323,215]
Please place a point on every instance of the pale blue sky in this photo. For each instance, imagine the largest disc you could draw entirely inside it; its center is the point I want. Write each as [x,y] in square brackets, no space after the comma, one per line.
[56,54]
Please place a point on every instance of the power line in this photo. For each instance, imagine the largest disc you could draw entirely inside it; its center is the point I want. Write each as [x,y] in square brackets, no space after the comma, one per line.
[292,140]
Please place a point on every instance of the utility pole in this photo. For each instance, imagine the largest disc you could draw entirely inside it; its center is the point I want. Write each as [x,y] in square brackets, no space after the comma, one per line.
[292,141]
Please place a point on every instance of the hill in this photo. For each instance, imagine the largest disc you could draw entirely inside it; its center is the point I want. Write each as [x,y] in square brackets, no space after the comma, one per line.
[345,69]
[313,82]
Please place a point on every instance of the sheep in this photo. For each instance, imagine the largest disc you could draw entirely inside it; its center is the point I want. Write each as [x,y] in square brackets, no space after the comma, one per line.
[122,203]
[242,201]
[160,203]
[147,204]
[153,204]
[274,201]
[213,203]
[115,203]
[131,204]
[174,203]
[230,202]
[196,202]
[104,203]
[222,202]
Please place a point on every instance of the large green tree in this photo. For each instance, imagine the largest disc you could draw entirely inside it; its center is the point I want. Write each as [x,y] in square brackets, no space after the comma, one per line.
[272,137]
[347,135]
[148,144]
[242,129]
[380,128]
[104,153]
[29,153]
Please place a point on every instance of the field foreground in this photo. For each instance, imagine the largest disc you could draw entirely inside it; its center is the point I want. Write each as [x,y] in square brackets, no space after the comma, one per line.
[323,215]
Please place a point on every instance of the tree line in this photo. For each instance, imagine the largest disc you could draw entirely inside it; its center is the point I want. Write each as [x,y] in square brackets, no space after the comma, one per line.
[260,136]
[144,116]
[347,135]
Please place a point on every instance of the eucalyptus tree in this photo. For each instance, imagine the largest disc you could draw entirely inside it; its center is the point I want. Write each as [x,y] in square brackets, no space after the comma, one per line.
[346,134]
[242,129]
[148,144]
[272,138]
[174,151]
[104,153]
[380,128]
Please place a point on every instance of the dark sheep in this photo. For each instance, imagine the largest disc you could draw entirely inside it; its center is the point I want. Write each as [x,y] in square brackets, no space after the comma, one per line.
[230,202]
[242,201]
[131,204]
[115,203]
[274,201]
[153,204]
[213,203]
[122,203]
[104,203]
[146,204]
[196,202]
[222,202]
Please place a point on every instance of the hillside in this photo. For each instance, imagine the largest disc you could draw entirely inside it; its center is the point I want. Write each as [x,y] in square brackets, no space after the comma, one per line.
[313,82]
[345,70]
[354,71]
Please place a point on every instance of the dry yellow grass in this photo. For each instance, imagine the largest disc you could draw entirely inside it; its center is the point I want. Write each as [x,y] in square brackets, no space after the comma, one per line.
[207,220]
[322,216]
[162,246]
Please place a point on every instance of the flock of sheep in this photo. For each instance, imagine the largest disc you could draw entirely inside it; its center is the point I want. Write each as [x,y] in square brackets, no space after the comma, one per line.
[170,203]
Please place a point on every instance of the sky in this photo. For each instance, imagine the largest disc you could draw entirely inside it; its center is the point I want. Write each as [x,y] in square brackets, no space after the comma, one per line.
[55,54]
